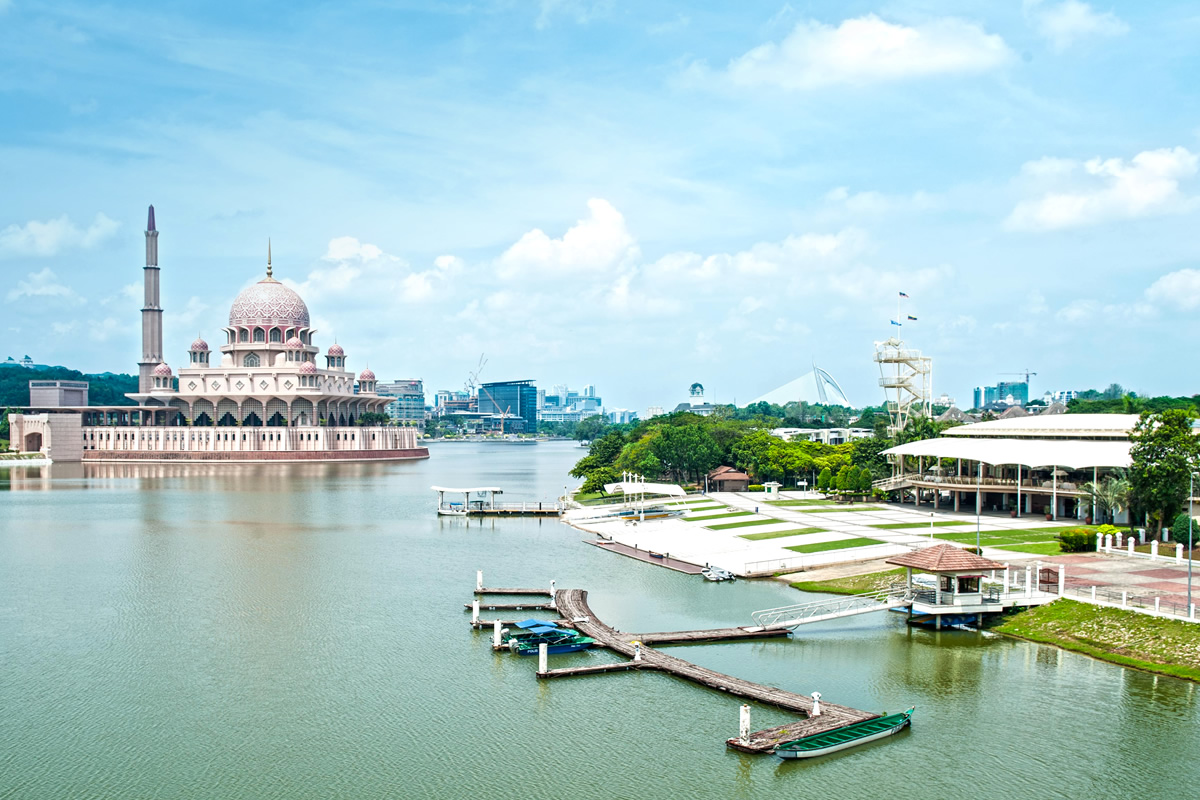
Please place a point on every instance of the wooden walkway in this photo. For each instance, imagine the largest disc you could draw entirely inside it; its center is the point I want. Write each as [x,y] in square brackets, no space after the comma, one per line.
[528,606]
[644,555]
[572,604]
[515,592]
[708,636]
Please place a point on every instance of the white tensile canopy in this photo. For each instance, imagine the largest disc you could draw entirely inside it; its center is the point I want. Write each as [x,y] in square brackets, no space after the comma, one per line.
[637,487]
[1073,454]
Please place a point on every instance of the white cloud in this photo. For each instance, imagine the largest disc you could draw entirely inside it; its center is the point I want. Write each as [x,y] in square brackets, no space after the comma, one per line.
[1067,22]
[597,244]
[871,202]
[43,284]
[1179,290]
[868,50]
[581,11]
[36,238]
[1075,194]
[354,266]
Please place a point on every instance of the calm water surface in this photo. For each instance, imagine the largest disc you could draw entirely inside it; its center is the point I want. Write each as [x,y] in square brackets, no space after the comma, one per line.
[298,631]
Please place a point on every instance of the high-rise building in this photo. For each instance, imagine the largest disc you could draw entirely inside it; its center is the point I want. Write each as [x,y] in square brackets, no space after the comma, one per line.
[515,400]
[408,407]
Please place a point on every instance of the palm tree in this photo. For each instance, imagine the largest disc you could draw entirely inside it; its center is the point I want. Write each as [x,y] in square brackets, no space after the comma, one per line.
[1110,496]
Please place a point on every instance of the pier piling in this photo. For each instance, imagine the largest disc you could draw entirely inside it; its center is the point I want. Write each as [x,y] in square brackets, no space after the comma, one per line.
[744,722]
[479,580]
[475,611]
[543,660]
[496,634]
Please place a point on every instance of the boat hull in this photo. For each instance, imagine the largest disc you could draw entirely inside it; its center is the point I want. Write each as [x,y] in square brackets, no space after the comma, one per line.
[811,751]
[553,649]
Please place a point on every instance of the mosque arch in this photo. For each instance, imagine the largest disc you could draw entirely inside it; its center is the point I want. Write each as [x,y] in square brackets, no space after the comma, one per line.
[251,360]
[202,420]
[227,420]
[252,412]
[33,442]
[243,335]
[259,335]
[276,335]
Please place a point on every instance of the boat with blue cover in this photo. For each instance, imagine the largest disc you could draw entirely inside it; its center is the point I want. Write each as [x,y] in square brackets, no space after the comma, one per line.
[820,744]
[557,640]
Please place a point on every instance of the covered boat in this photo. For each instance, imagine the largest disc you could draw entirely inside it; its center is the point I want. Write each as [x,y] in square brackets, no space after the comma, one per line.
[820,744]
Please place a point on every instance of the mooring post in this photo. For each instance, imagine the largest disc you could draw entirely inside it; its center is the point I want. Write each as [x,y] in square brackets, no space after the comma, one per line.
[479,580]
[543,661]
[1154,550]
[637,652]
[744,723]
[552,594]
[816,709]
[496,633]
[1179,553]
[475,611]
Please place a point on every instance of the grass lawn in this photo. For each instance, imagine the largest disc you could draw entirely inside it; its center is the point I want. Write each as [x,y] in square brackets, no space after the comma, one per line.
[744,524]
[843,544]
[1123,637]
[720,516]
[1040,548]
[986,540]
[853,584]
[755,537]
[809,502]
[839,509]
[896,526]
[706,508]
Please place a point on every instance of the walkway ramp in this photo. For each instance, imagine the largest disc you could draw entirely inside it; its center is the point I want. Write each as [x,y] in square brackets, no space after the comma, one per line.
[787,617]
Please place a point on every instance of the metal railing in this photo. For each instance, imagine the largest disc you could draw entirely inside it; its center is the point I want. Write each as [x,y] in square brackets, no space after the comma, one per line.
[798,614]
[1146,604]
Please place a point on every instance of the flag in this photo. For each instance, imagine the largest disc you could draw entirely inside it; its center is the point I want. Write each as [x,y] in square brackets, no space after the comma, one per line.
[910,316]
[902,294]
[895,323]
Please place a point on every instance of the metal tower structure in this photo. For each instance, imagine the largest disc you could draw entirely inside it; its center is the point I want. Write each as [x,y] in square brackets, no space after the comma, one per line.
[907,380]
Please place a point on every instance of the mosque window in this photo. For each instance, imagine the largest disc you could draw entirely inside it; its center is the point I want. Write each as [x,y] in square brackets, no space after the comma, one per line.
[243,335]
[251,360]
[276,336]
[259,336]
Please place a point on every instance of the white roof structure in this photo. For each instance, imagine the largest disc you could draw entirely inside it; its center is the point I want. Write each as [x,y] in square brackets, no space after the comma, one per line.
[638,487]
[1054,426]
[1073,454]
[813,387]
[492,489]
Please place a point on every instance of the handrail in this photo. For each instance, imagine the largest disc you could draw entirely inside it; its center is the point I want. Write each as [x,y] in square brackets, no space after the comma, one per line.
[796,614]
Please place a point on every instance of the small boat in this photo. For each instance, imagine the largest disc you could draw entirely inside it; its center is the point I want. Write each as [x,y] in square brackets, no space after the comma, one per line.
[653,554]
[452,510]
[820,744]
[717,574]
[562,642]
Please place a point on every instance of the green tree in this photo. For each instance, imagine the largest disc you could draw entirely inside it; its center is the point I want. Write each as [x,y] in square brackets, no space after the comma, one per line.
[839,482]
[687,451]
[602,453]
[823,480]
[1164,452]
[369,418]
[1110,496]
[596,479]
[864,481]
[589,429]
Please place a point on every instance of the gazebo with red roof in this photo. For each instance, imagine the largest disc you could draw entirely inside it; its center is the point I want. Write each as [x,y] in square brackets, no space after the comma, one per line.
[959,577]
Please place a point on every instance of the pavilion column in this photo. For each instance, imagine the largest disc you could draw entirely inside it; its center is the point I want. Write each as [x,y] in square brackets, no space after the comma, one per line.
[1018,490]
[1054,492]
[979,489]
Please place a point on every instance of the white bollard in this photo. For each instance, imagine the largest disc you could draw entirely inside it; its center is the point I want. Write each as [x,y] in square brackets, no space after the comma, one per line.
[543,661]
[1154,551]
[1007,584]
[552,594]
[1093,594]
[1129,547]
[1117,540]
[1179,553]
[1062,580]
[1028,581]
[479,580]
[1108,542]
[637,652]
[1192,611]
[744,723]
[1124,598]
[1141,535]
[1099,542]
[496,633]
[475,611]
[816,709]
[1157,605]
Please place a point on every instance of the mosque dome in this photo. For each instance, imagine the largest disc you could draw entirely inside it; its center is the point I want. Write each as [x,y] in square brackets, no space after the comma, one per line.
[269,302]
[199,346]
[367,375]
[162,371]
[307,368]
[294,344]
[335,349]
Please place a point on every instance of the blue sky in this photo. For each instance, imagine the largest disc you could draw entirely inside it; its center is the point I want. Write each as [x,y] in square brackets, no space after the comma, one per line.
[635,195]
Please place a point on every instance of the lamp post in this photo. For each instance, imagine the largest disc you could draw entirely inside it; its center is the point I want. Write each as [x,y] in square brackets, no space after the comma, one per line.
[978,507]
[1191,494]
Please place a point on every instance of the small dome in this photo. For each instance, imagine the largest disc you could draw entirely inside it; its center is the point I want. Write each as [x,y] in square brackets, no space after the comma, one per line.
[335,349]
[199,346]
[162,371]
[294,344]
[367,375]
[307,368]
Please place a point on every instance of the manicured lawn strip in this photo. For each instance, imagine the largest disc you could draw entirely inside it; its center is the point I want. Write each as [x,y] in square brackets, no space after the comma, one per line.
[705,508]
[1039,548]
[896,526]
[838,510]
[1166,646]
[853,584]
[843,544]
[745,524]
[969,538]
[721,516]
[756,537]
[809,502]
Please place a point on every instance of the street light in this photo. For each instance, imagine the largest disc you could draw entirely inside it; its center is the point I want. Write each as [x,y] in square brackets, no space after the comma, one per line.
[978,507]
[1191,494]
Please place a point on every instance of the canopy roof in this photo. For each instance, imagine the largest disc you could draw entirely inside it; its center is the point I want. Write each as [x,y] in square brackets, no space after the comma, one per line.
[1070,453]
[492,489]
[1056,426]
[944,558]
[637,487]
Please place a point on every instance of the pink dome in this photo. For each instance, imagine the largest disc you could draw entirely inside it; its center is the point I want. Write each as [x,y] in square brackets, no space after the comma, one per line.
[162,371]
[335,349]
[294,344]
[367,375]
[307,368]
[199,346]
[269,302]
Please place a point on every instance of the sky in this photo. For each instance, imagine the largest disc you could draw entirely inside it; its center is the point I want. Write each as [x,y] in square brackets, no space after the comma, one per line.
[635,195]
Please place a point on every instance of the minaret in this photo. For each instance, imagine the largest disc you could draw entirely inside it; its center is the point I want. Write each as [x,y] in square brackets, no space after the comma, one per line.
[152,335]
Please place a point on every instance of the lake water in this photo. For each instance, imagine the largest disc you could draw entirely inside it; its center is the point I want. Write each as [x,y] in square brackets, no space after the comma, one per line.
[297,631]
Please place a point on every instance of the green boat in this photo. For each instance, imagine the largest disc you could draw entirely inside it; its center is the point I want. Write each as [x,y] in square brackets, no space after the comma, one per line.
[820,744]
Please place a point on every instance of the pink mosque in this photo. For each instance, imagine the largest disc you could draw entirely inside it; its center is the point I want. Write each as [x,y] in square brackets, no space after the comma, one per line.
[263,398]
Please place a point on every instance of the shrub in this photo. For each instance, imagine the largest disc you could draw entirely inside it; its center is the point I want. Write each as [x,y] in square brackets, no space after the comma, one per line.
[1108,530]
[755,487]
[1179,528]
[1077,540]
[824,479]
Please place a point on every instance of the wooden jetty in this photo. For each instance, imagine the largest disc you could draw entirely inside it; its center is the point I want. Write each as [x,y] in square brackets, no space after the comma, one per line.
[709,636]
[572,604]
[528,606]
[644,555]
[515,592]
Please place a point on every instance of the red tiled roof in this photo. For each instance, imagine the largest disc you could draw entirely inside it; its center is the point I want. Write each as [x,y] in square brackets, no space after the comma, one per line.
[732,475]
[944,558]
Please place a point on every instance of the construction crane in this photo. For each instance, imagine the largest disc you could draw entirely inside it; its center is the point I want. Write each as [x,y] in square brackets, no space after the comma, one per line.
[1026,373]
[473,377]
[505,414]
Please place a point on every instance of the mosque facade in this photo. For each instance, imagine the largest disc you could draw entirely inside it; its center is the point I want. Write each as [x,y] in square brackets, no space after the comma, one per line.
[264,393]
